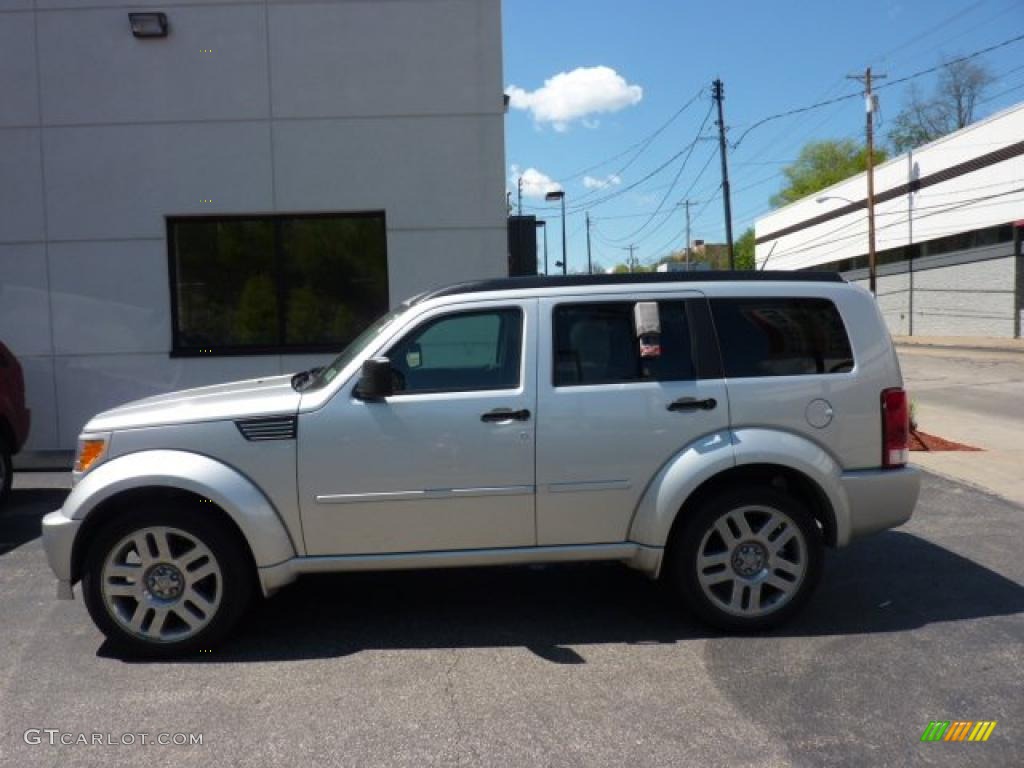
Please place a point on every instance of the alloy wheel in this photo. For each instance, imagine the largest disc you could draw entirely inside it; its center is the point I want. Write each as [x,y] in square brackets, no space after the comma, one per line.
[161,584]
[752,561]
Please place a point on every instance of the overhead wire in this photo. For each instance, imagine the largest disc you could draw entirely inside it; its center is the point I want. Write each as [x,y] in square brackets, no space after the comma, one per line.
[888,84]
[935,210]
[675,179]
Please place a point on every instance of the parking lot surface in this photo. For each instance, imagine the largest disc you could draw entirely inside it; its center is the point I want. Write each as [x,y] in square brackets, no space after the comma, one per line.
[584,665]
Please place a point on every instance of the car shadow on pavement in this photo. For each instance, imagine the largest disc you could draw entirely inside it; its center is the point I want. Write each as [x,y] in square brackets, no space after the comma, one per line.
[896,582]
[21,518]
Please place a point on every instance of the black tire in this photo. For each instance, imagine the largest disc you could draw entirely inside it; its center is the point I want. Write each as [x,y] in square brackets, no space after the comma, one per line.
[6,473]
[708,604]
[236,578]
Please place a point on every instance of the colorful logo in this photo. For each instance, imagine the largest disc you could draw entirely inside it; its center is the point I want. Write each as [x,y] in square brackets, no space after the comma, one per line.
[958,730]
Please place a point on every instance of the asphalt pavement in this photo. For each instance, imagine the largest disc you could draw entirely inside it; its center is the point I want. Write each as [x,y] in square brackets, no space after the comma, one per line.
[579,665]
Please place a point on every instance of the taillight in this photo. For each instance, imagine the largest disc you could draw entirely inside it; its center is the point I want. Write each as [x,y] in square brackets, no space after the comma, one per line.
[895,428]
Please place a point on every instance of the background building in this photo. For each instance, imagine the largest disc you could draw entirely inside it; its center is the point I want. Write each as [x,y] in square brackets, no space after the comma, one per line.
[238,197]
[948,222]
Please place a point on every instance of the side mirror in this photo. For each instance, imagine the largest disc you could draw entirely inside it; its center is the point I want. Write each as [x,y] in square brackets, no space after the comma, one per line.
[375,382]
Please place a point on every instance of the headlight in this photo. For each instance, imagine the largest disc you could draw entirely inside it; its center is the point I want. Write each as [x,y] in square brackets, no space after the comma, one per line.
[90,451]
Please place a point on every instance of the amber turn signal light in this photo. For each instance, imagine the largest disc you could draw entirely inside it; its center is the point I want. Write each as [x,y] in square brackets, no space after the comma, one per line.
[89,452]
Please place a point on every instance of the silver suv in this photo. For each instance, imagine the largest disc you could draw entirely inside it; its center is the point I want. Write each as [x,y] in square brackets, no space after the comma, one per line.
[717,430]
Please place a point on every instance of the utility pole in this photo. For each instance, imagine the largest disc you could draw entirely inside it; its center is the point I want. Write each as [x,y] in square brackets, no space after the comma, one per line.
[718,95]
[869,106]
[520,196]
[686,204]
[629,263]
[590,264]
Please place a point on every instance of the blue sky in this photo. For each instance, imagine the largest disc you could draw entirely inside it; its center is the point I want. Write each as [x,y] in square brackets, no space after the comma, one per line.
[771,56]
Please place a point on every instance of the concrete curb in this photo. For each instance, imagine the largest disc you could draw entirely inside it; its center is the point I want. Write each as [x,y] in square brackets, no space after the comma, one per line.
[966,343]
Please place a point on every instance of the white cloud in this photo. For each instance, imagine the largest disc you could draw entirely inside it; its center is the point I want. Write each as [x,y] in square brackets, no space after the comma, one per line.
[535,183]
[611,180]
[576,95]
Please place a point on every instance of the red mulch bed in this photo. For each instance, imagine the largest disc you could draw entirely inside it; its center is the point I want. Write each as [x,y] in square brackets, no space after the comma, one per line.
[922,441]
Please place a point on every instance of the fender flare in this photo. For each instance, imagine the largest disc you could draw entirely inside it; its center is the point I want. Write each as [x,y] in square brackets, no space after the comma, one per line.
[262,527]
[712,454]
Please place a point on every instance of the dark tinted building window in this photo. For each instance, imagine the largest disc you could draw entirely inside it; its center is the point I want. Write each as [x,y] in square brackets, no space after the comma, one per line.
[597,344]
[275,283]
[781,337]
[462,352]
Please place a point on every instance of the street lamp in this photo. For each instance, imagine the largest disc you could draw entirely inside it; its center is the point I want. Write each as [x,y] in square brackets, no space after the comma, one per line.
[544,225]
[560,195]
[871,239]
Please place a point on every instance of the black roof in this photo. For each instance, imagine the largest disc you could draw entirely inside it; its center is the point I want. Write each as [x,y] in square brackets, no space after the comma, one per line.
[635,278]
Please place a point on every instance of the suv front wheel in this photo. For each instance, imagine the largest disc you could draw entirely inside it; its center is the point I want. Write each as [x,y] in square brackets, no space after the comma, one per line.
[748,559]
[165,581]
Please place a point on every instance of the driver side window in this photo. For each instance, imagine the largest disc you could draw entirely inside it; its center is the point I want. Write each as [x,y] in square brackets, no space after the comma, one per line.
[462,352]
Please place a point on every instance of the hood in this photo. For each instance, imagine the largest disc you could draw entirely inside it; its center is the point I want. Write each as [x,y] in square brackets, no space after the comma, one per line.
[268,396]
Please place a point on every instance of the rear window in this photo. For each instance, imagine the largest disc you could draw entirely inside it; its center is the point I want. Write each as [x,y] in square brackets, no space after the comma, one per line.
[781,337]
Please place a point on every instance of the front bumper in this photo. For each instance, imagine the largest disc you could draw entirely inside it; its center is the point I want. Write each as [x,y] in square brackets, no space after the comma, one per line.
[58,540]
[879,499]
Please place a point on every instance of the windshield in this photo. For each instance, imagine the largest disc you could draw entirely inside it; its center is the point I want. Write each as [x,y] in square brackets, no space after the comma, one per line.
[327,374]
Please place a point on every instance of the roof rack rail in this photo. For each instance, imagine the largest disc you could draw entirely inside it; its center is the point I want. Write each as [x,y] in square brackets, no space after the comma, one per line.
[635,278]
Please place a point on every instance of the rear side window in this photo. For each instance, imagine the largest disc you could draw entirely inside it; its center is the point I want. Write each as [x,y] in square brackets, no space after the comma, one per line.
[597,344]
[781,337]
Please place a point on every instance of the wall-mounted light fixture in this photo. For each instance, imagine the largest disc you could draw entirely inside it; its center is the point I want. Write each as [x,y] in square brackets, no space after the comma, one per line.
[148,24]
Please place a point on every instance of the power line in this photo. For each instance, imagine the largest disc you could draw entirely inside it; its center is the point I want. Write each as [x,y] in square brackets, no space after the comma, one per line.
[961,33]
[1001,94]
[931,30]
[675,179]
[643,143]
[890,84]
[661,252]
[637,215]
[686,195]
[935,211]
[619,191]
[951,62]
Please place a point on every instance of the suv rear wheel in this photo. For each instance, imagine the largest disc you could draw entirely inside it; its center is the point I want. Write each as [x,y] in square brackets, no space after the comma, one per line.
[166,581]
[748,559]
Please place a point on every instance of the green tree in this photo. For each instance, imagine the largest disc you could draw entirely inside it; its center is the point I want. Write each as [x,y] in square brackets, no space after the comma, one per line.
[950,107]
[743,250]
[821,164]
[619,269]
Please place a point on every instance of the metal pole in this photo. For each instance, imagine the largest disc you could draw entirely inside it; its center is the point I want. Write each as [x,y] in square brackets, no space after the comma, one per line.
[629,262]
[1018,275]
[910,243]
[590,264]
[545,248]
[520,195]
[565,256]
[687,204]
[717,93]
[869,103]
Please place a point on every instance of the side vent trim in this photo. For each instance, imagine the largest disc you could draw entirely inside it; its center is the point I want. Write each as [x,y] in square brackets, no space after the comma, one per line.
[269,428]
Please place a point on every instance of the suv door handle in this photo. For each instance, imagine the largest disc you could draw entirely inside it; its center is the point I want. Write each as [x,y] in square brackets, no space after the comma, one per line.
[692,404]
[506,414]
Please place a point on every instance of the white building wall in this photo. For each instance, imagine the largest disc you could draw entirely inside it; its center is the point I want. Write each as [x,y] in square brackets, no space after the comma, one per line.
[974,298]
[298,107]
[983,198]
